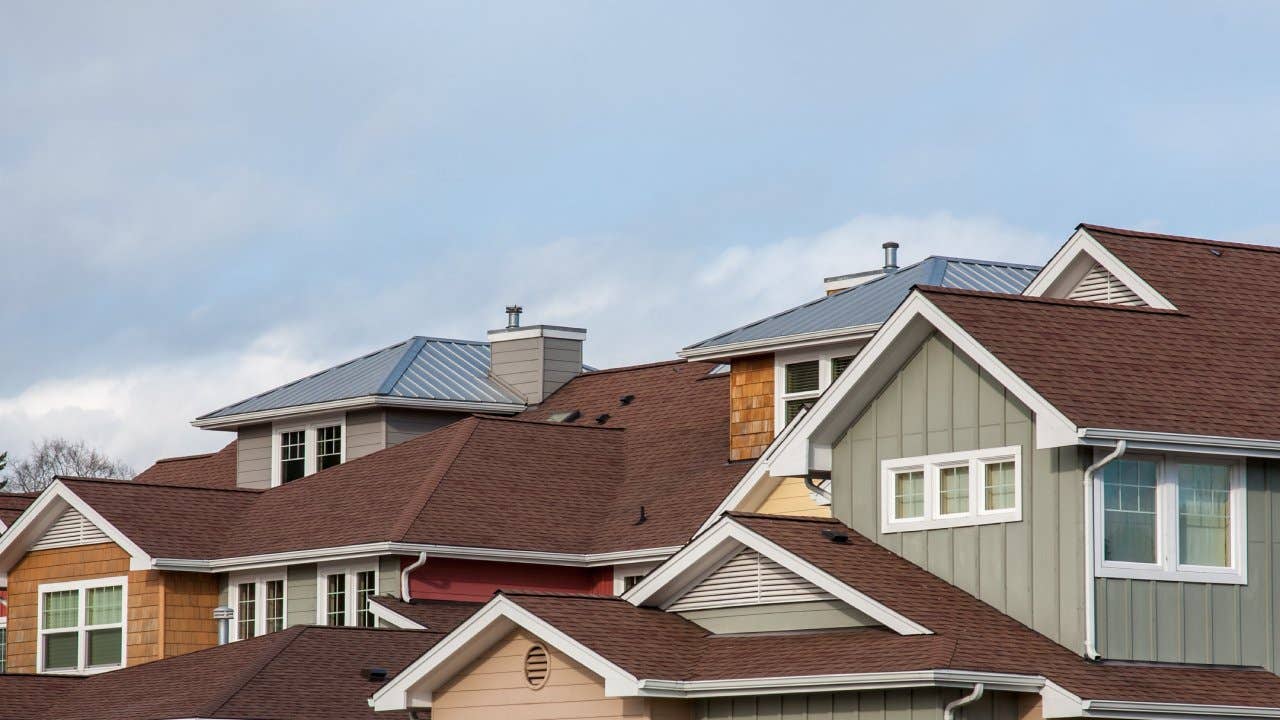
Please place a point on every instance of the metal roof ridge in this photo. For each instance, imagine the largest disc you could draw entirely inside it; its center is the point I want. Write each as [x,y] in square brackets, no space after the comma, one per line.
[410,354]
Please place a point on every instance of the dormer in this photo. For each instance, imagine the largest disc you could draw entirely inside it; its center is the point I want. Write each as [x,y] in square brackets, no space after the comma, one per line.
[1083,269]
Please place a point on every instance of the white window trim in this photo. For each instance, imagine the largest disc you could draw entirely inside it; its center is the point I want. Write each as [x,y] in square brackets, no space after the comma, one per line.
[622,572]
[782,360]
[308,426]
[931,465]
[82,644]
[350,570]
[260,580]
[1167,566]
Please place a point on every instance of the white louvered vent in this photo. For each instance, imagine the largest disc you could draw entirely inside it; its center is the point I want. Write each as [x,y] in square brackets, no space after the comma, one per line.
[1099,285]
[749,579]
[70,530]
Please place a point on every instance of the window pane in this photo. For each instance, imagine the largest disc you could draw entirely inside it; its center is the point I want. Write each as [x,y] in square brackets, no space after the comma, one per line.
[293,447]
[104,606]
[4,647]
[336,600]
[793,409]
[1204,514]
[1129,511]
[908,494]
[61,609]
[839,365]
[246,610]
[275,605]
[802,377]
[953,490]
[328,446]
[61,651]
[998,485]
[365,582]
[106,647]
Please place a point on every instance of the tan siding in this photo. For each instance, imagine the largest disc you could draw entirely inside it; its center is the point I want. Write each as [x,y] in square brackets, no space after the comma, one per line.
[366,433]
[405,425]
[253,457]
[518,363]
[494,687]
[750,406]
[791,497]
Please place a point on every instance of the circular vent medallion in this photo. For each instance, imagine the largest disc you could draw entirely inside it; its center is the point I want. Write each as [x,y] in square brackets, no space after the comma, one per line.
[536,667]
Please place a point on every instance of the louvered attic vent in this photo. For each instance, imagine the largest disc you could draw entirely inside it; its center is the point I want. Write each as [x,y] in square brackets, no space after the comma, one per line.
[70,530]
[536,667]
[749,579]
[1099,285]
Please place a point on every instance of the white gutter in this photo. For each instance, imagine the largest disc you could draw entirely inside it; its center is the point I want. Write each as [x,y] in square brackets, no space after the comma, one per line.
[1090,592]
[833,683]
[786,342]
[1127,708]
[366,401]
[404,575]
[1179,442]
[949,712]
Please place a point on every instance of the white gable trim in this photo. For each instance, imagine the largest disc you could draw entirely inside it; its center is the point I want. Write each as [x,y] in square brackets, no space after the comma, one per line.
[1074,259]
[36,519]
[393,618]
[412,688]
[706,552]
[809,447]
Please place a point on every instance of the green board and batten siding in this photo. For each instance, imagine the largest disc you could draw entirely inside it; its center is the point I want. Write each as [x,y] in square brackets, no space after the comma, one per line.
[905,704]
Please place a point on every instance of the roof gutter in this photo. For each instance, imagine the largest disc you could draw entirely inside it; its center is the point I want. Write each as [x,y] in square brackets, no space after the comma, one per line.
[785,342]
[831,683]
[1090,547]
[229,422]
[1179,442]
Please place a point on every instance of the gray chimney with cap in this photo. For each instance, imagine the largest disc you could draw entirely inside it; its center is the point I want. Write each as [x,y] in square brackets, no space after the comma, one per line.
[534,360]
[890,256]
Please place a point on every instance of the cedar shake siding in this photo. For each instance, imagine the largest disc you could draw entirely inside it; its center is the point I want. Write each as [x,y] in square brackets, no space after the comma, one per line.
[750,406]
[495,686]
[167,613]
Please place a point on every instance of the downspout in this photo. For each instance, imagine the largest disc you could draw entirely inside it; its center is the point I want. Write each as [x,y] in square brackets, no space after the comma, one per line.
[815,488]
[1090,598]
[404,575]
[949,712]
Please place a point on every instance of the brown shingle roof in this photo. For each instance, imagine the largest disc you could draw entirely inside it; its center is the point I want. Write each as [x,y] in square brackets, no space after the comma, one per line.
[436,615]
[13,504]
[24,697]
[1204,369]
[210,470]
[967,634]
[303,673]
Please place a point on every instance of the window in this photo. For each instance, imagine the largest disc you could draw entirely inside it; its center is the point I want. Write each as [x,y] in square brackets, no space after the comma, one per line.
[1171,518]
[975,487]
[801,376]
[839,365]
[4,646]
[298,450]
[800,388]
[81,626]
[259,604]
[626,577]
[346,592]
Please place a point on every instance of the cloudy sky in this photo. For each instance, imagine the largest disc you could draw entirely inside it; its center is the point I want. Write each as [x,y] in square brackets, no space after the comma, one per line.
[201,200]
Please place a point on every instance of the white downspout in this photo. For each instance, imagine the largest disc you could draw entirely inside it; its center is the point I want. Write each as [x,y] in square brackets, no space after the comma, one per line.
[404,575]
[949,712]
[1090,597]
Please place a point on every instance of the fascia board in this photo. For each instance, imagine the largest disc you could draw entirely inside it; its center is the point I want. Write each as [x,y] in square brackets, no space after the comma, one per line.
[1178,442]
[840,682]
[784,342]
[230,422]
[394,618]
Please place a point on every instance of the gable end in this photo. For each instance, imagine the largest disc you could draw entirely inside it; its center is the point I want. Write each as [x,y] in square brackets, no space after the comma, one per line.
[69,530]
[748,578]
[1099,285]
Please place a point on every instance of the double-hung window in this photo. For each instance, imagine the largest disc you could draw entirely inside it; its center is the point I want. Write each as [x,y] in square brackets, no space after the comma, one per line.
[345,592]
[1170,518]
[975,487]
[297,450]
[81,626]
[4,643]
[801,377]
[259,604]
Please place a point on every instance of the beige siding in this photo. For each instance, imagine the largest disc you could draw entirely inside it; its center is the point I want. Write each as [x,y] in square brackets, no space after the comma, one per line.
[940,401]
[494,687]
[905,704]
[518,363]
[366,433]
[301,595]
[405,425]
[791,497]
[389,575]
[253,457]
[812,615]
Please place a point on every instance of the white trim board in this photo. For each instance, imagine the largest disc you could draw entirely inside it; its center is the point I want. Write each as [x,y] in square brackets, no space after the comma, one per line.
[393,618]
[1074,259]
[764,346]
[230,422]
[705,553]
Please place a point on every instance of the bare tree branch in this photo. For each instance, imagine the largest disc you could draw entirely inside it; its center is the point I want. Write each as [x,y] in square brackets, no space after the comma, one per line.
[52,457]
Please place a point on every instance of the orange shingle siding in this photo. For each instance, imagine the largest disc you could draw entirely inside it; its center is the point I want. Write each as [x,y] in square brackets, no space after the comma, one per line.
[751,409]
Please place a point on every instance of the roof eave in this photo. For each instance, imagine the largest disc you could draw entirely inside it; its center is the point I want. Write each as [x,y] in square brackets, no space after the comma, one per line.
[774,344]
[231,422]
[1180,442]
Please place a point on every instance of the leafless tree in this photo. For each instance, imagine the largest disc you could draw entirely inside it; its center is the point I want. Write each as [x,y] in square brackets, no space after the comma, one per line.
[58,456]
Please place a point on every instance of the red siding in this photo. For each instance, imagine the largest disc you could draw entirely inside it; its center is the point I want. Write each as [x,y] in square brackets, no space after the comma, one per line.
[449,579]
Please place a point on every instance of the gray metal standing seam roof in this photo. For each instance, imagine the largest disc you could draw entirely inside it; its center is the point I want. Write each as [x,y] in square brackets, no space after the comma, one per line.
[420,367]
[873,301]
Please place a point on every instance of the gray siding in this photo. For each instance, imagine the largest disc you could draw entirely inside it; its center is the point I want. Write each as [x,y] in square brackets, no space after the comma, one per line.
[561,362]
[815,615]
[389,575]
[366,433]
[1202,623]
[535,367]
[904,704]
[402,425]
[253,456]
[301,594]
[940,401]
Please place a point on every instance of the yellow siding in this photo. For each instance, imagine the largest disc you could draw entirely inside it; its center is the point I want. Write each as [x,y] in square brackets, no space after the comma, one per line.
[494,687]
[792,498]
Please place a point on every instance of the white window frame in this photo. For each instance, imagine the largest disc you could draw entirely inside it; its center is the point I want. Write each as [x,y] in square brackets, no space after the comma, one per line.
[82,630]
[932,466]
[4,647]
[350,570]
[780,362]
[308,426]
[1167,565]
[622,572]
[260,580]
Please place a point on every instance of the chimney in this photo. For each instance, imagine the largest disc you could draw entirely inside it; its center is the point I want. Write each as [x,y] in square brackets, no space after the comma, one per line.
[534,360]
[890,256]
[224,615]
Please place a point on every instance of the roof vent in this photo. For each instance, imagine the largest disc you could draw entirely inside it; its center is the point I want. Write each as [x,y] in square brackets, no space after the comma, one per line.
[602,418]
[564,417]
[626,399]
[835,536]
[513,316]
[890,256]
[374,674]
[536,667]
